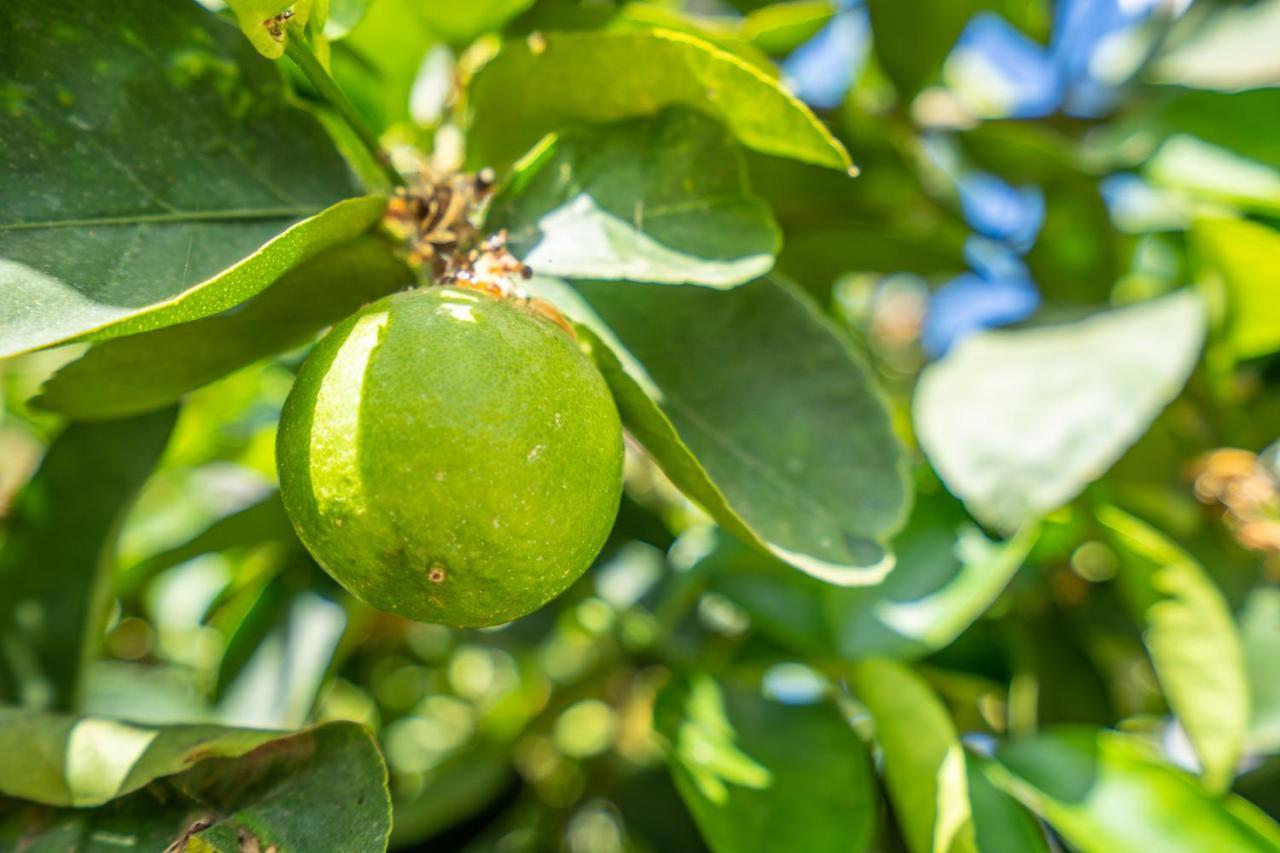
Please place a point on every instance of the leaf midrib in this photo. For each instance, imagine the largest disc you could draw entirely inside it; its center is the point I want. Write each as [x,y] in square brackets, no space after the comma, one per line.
[171,217]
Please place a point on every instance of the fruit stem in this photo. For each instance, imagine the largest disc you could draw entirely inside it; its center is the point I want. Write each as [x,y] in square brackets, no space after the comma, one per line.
[299,50]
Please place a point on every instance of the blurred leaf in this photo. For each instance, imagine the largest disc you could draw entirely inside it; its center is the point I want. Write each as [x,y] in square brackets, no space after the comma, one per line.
[1104,792]
[460,786]
[57,554]
[924,763]
[102,234]
[761,775]
[149,370]
[263,521]
[913,37]
[278,684]
[1075,257]
[378,62]
[462,23]
[1218,174]
[945,576]
[1228,47]
[1246,255]
[660,200]
[1193,642]
[1000,823]
[782,27]
[321,789]
[1260,635]
[549,81]
[344,16]
[1017,423]
[756,408]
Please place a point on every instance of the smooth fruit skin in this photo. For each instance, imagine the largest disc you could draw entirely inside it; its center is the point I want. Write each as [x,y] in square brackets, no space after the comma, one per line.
[451,457]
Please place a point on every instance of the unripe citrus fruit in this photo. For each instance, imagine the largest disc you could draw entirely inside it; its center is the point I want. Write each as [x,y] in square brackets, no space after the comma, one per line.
[451,457]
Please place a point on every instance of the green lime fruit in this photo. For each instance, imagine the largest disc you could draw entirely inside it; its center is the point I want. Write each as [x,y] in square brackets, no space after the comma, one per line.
[451,457]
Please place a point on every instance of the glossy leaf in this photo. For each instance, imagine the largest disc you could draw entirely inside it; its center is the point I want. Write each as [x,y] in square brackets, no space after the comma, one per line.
[547,82]
[761,775]
[945,576]
[57,552]
[924,762]
[1193,641]
[782,27]
[1017,423]
[1246,257]
[661,200]
[153,369]
[279,790]
[147,159]
[756,408]
[1104,791]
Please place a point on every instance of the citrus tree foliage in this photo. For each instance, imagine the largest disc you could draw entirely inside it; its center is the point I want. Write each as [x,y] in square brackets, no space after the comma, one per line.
[943,336]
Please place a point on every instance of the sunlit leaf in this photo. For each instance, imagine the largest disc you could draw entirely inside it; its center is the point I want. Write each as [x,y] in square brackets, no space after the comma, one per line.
[152,369]
[1104,792]
[761,775]
[57,552]
[148,156]
[1246,256]
[661,200]
[220,785]
[755,407]
[1193,641]
[924,762]
[945,576]
[547,82]
[1017,423]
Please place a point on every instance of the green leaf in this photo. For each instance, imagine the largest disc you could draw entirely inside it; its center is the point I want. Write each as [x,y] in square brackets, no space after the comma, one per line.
[1260,636]
[913,37]
[543,83]
[153,369]
[1104,792]
[57,552]
[148,156]
[924,763]
[946,575]
[782,27]
[1218,174]
[462,23]
[321,789]
[1000,823]
[756,408]
[1193,641]
[1017,423]
[661,200]
[761,775]
[1246,256]
[253,15]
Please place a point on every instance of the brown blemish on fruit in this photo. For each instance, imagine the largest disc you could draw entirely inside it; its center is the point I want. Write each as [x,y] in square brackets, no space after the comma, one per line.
[435,574]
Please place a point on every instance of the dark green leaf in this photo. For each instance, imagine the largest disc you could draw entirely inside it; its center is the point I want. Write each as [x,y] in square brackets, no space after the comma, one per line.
[757,408]
[1193,642]
[760,775]
[56,556]
[1017,423]
[148,153]
[659,200]
[145,371]
[546,82]
[913,37]
[322,789]
[1105,792]
[1000,823]
[462,23]
[945,576]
